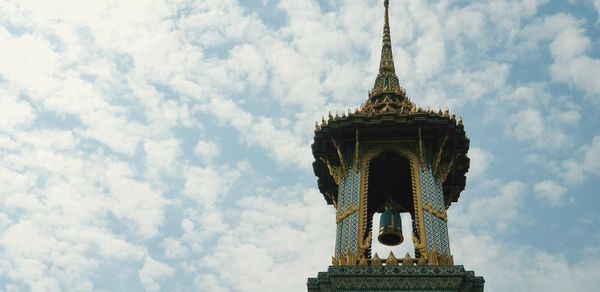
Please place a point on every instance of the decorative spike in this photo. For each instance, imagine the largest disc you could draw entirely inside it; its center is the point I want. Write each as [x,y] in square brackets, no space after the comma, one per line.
[342,261]
[391,260]
[451,260]
[334,261]
[422,261]
[460,121]
[407,261]
[434,258]
[363,261]
[375,261]
[351,259]
[443,258]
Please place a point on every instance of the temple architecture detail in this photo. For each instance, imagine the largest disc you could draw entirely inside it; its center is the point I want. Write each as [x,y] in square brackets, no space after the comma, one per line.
[390,156]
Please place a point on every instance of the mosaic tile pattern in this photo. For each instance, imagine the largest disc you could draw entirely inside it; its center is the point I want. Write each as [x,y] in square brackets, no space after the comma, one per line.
[349,197]
[397,278]
[436,230]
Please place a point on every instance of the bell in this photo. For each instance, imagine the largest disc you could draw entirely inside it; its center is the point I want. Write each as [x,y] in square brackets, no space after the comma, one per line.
[390,228]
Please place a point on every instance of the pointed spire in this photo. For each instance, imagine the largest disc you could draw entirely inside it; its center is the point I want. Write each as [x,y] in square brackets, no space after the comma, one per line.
[387,58]
[387,81]
[375,261]
[391,260]
[407,261]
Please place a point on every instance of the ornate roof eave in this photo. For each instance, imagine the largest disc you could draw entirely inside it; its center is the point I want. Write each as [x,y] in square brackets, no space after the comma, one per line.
[342,127]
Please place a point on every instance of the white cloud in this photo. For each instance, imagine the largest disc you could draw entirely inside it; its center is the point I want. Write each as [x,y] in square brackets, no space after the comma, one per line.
[555,272]
[285,147]
[480,213]
[173,248]
[14,114]
[209,185]
[550,191]
[526,124]
[480,161]
[207,150]
[256,238]
[597,5]
[571,65]
[542,130]
[161,156]
[153,272]
[585,165]
[208,282]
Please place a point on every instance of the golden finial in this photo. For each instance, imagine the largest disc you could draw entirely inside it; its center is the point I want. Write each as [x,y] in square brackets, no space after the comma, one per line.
[407,261]
[434,257]
[351,259]
[334,261]
[363,261]
[443,258]
[422,261]
[391,260]
[376,261]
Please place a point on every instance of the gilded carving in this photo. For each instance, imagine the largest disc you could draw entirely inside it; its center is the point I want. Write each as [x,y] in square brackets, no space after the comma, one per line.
[436,212]
[334,171]
[438,155]
[349,211]
[340,156]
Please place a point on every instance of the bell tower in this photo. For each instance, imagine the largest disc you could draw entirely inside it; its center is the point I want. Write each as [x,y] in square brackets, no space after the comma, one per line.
[390,156]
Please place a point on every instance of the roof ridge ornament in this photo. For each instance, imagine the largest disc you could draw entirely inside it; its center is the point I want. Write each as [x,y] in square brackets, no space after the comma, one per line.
[387,81]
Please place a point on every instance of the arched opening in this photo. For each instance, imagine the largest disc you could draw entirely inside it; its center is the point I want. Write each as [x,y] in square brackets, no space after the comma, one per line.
[390,180]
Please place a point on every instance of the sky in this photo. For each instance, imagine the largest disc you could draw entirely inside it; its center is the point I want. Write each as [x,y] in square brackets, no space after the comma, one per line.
[165,145]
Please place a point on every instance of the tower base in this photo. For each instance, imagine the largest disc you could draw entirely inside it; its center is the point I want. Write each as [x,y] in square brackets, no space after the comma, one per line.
[396,278]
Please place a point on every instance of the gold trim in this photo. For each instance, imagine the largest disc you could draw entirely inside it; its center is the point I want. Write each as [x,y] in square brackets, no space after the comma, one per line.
[419,240]
[438,155]
[340,217]
[444,170]
[421,152]
[435,212]
[334,171]
[340,156]
[356,146]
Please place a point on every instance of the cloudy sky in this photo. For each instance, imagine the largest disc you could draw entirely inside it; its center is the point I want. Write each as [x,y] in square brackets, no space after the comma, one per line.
[165,145]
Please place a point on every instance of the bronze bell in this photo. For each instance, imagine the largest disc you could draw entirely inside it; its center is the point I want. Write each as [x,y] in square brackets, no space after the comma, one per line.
[390,228]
